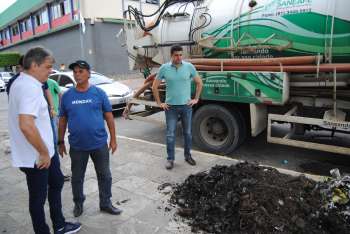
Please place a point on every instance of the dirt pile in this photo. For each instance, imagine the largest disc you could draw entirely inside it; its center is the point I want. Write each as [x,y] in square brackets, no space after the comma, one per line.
[246,198]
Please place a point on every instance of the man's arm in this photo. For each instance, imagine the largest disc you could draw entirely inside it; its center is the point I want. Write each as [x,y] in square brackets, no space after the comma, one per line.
[50,102]
[111,127]
[136,95]
[62,126]
[199,85]
[155,91]
[31,133]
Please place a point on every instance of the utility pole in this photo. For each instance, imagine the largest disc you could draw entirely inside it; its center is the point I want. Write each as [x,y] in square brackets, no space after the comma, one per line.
[81,30]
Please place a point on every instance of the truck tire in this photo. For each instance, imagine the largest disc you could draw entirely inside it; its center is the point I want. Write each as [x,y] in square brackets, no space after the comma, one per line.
[217,129]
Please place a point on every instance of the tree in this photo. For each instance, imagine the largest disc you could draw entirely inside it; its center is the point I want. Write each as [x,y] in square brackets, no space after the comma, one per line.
[9,59]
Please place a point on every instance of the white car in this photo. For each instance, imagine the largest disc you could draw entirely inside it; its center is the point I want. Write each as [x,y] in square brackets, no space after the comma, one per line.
[2,86]
[118,93]
[6,76]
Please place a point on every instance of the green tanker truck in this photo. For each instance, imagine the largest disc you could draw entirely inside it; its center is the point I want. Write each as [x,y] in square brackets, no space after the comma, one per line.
[265,64]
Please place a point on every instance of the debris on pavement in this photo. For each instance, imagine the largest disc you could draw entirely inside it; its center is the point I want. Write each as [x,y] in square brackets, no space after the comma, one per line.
[122,201]
[166,188]
[247,198]
[336,192]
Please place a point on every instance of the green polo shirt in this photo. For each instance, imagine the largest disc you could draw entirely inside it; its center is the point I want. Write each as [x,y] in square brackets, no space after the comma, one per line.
[54,90]
[178,82]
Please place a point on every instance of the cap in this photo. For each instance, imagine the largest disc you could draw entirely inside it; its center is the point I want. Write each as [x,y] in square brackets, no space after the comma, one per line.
[80,63]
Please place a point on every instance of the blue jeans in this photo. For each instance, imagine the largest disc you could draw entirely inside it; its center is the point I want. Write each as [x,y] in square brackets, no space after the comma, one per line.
[54,125]
[100,158]
[184,113]
[43,183]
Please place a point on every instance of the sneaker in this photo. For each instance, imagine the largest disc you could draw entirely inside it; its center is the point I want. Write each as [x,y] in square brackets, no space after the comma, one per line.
[169,164]
[78,209]
[69,228]
[190,161]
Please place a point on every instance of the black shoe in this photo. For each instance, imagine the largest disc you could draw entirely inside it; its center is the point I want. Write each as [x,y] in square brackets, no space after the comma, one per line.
[111,210]
[66,178]
[69,228]
[169,164]
[78,209]
[190,161]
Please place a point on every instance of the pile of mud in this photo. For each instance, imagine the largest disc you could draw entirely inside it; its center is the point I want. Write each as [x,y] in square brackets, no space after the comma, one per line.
[247,198]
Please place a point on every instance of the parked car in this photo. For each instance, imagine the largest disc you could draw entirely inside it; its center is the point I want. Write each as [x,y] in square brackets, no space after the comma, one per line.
[2,86]
[118,93]
[6,76]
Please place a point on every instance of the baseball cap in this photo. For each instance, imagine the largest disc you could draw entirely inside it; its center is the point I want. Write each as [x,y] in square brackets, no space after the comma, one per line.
[80,63]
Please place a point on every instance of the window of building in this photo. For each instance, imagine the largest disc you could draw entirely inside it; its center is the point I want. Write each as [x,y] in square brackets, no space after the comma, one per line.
[6,34]
[41,17]
[15,30]
[44,16]
[26,25]
[61,9]
[67,7]
[55,11]
[75,5]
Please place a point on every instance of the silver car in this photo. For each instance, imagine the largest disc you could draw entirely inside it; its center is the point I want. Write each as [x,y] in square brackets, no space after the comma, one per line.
[6,76]
[2,86]
[118,93]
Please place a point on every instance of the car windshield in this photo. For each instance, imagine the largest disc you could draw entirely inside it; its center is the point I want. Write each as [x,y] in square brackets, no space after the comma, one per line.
[6,74]
[97,79]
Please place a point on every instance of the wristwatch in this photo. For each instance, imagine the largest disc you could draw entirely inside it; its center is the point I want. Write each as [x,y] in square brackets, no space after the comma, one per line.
[60,142]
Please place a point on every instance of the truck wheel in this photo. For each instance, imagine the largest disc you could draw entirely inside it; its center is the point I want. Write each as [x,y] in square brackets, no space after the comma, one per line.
[217,130]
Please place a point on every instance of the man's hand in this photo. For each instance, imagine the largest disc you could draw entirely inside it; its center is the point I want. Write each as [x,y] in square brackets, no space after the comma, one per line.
[44,161]
[113,145]
[62,149]
[52,112]
[164,106]
[126,113]
[192,102]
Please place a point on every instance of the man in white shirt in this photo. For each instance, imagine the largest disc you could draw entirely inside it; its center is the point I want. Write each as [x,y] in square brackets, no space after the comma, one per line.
[32,144]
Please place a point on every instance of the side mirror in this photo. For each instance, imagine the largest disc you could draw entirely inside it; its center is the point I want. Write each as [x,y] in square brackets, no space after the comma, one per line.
[69,85]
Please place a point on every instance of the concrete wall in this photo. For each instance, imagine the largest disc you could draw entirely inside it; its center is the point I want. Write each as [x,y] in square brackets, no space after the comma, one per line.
[110,56]
[98,46]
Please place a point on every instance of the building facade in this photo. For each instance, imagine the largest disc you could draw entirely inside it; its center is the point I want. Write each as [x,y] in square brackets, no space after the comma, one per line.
[71,29]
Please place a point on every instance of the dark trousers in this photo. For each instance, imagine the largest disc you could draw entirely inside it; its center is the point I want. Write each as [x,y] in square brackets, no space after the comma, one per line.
[100,158]
[42,183]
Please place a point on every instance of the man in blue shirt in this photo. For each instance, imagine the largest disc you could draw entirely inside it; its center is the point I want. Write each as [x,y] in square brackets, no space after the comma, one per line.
[84,108]
[178,75]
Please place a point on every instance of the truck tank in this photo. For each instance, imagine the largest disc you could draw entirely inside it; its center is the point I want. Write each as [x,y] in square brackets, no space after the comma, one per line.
[244,29]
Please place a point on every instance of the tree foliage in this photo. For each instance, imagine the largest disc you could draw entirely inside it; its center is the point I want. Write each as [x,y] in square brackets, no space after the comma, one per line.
[9,59]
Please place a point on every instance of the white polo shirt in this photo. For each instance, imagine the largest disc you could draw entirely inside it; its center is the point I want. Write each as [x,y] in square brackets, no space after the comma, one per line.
[26,97]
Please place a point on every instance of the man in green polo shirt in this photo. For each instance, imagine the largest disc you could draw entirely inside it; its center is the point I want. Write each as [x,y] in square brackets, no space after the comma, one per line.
[178,104]
[53,94]
[55,91]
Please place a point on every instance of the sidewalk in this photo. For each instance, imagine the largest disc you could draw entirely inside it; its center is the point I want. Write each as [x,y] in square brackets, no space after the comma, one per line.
[137,170]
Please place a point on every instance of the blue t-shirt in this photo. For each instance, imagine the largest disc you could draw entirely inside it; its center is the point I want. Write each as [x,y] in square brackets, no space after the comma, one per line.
[178,82]
[84,112]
